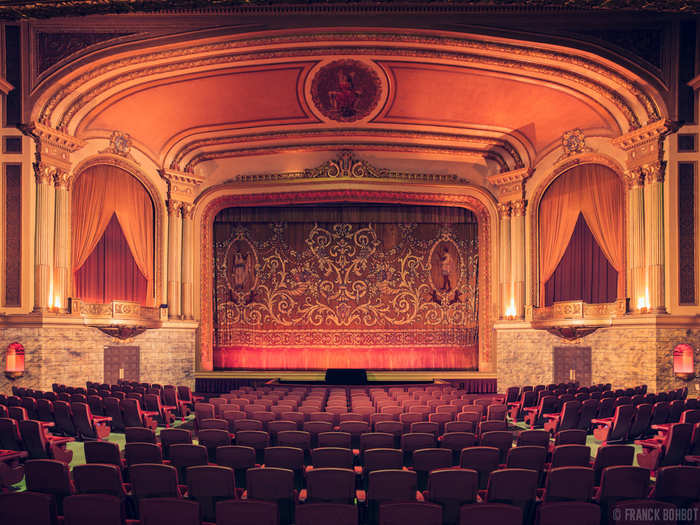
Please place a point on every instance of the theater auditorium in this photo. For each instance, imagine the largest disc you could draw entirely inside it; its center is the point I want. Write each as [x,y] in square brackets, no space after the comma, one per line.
[373,262]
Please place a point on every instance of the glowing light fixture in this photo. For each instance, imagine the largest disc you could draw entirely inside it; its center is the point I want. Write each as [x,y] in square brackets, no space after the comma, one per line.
[14,361]
[684,361]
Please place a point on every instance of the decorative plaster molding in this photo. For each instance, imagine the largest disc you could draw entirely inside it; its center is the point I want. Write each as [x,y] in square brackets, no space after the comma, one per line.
[348,167]
[182,185]
[573,142]
[511,184]
[503,210]
[238,53]
[517,208]
[469,144]
[645,145]
[120,144]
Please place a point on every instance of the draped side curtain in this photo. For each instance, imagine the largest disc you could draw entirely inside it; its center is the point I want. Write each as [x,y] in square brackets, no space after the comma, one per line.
[596,192]
[101,192]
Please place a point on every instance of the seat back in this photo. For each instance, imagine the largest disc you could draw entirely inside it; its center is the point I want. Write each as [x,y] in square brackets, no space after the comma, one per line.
[87,509]
[483,460]
[183,455]
[172,436]
[139,435]
[212,438]
[622,423]
[381,459]
[332,457]
[113,410]
[676,444]
[571,512]
[426,460]
[9,434]
[530,457]
[136,453]
[678,484]
[589,410]
[571,456]
[208,484]
[569,483]
[156,511]
[49,476]
[538,438]
[149,480]
[30,508]
[391,485]
[63,418]
[331,485]
[251,512]
[98,478]
[336,513]
[102,452]
[334,439]
[410,513]
[612,455]
[623,482]
[660,413]
[484,513]
[34,439]
[501,439]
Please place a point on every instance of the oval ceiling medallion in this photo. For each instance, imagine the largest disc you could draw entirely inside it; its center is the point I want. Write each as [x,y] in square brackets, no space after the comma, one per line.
[345,90]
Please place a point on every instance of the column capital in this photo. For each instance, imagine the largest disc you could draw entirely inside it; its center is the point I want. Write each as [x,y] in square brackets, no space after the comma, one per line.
[44,173]
[645,145]
[62,179]
[510,184]
[187,211]
[517,208]
[634,177]
[503,210]
[182,185]
[654,172]
[174,207]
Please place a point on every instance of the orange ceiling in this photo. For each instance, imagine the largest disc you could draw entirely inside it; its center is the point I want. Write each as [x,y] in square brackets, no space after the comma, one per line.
[420,94]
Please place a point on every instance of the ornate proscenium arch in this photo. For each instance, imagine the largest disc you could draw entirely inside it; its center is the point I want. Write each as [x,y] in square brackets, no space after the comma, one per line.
[217,199]
[165,77]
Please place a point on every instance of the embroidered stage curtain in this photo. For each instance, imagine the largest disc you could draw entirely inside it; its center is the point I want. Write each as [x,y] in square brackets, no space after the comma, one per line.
[100,193]
[110,272]
[346,286]
[595,192]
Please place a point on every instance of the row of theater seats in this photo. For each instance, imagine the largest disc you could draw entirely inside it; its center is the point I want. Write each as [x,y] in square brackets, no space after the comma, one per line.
[450,489]
[87,509]
[114,407]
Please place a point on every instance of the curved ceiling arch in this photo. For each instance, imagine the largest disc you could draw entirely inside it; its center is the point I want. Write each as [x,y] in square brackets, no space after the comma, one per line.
[208,96]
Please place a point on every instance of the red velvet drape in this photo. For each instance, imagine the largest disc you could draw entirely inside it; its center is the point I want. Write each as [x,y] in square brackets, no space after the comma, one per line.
[583,272]
[110,272]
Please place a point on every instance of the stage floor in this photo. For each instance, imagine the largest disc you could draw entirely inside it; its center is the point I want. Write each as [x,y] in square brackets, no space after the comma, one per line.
[226,380]
[372,375]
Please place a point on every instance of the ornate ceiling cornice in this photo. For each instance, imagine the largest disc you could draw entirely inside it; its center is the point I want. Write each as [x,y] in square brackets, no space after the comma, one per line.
[498,150]
[464,51]
[13,10]
[348,167]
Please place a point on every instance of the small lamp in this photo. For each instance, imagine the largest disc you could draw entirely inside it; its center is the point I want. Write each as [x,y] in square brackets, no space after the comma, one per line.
[684,361]
[14,361]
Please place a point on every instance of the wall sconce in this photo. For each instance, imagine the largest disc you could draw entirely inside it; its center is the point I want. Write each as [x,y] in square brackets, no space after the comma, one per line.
[510,311]
[684,361]
[14,361]
[643,304]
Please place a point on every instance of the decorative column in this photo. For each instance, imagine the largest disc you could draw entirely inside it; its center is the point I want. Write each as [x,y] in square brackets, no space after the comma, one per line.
[187,260]
[635,236]
[62,242]
[43,252]
[182,190]
[504,258]
[644,148]
[517,256]
[510,188]
[174,258]
[52,253]
[654,235]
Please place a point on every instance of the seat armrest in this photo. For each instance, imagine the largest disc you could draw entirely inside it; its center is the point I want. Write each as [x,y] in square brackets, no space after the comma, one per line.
[361,496]
[419,496]
[303,494]
[604,422]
